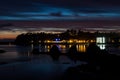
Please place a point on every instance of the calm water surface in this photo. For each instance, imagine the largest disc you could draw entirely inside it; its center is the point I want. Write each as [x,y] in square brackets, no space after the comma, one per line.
[14,52]
[38,67]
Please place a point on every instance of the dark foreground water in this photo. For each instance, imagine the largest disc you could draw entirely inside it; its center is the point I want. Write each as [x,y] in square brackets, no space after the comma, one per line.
[19,64]
[37,69]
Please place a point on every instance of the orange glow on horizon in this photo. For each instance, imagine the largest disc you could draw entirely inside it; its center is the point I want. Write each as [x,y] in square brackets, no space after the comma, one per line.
[8,35]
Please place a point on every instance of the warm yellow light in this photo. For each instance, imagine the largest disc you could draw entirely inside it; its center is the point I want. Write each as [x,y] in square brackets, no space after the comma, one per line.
[82,41]
[48,41]
[63,41]
[81,48]
[91,40]
[70,41]
[79,41]
[48,47]
[62,46]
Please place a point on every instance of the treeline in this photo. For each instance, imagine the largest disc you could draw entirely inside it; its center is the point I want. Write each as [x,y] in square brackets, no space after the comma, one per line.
[28,38]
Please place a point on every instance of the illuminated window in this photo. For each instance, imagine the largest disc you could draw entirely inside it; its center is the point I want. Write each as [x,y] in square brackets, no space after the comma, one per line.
[100,40]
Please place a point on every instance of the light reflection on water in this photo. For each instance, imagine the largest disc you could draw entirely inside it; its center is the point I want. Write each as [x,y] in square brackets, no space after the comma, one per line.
[102,46]
[63,48]
[41,67]
[13,51]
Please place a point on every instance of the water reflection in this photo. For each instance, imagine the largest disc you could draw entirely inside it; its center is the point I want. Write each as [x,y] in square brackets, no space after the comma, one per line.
[24,50]
[39,69]
[62,47]
[102,46]
[81,48]
[17,51]
[10,53]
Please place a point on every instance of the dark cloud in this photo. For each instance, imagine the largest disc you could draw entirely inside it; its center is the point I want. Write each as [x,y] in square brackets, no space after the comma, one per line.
[80,3]
[40,9]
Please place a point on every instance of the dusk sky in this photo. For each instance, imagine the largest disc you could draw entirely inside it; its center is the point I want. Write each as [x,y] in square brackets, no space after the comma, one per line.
[17,16]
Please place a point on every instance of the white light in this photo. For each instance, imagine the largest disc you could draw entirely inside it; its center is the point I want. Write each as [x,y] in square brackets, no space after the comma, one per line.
[102,46]
[100,40]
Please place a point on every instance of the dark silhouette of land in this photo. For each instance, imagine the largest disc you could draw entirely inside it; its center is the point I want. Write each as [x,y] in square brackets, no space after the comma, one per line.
[40,38]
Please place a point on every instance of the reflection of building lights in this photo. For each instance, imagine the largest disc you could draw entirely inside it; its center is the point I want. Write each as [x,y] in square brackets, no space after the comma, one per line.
[62,46]
[113,41]
[70,46]
[102,46]
[31,41]
[48,47]
[81,48]
[32,46]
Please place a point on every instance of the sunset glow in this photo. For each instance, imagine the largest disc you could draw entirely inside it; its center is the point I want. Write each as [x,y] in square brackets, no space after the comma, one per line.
[8,34]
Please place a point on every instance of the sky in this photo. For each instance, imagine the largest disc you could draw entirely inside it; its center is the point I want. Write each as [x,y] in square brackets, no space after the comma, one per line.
[19,16]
